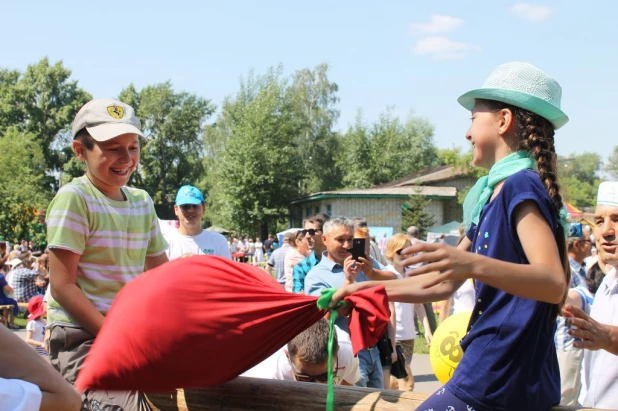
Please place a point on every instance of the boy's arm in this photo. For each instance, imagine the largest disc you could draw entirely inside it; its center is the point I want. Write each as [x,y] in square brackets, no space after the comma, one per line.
[31,341]
[64,289]
[20,362]
[155,261]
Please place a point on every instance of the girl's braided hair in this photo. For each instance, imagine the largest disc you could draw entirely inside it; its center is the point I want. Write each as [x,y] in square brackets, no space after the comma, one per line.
[537,138]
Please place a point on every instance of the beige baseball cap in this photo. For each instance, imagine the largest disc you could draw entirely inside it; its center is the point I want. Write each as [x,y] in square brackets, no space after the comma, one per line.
[105,118]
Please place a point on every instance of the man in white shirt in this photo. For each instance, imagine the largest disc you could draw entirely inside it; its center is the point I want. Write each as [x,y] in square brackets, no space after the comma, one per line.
[598,333]
[305,358]
[190,238]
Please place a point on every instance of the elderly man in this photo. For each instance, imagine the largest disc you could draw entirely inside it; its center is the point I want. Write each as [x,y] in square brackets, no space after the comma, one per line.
[599,331]
[335,269]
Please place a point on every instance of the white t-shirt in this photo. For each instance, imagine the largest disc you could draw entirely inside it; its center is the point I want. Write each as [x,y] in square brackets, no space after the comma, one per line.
[406,329]
[18,395]
[277,366]
[600,368]
[38,329]
[464,298]
[206,242]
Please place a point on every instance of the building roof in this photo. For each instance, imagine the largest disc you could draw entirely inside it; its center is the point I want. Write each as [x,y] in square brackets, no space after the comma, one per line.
[383,192]
[426,176]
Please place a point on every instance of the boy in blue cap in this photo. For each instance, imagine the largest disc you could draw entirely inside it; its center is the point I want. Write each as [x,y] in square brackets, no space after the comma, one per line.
[191,239]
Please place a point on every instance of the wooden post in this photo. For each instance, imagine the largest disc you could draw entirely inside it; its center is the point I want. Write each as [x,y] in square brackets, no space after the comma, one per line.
[255,394]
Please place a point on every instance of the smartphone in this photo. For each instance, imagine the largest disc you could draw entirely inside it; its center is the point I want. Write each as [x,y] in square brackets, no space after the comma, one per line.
[358,248]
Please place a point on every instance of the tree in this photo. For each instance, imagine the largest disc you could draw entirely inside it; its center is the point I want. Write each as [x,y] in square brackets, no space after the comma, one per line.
[173,123]
[22,192]
[260,169]
[395,149]
[313,99]
[578,176]
[414,213]
[355,156]
[612,164]
[42,102]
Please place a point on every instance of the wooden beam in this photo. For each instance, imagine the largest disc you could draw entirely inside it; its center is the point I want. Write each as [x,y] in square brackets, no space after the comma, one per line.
[256,394]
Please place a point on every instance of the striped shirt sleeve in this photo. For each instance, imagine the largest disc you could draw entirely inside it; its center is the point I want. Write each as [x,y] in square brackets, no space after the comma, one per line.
[67,221]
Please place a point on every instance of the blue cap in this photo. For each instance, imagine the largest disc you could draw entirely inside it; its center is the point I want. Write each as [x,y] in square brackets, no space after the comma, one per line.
[189,195]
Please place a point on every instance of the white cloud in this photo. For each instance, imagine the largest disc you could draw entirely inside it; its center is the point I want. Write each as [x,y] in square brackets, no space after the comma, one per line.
[438,24]
[529,12]
[443,48]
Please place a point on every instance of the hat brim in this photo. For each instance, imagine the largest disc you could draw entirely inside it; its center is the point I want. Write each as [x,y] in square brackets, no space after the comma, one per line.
[191,200]
[519,99]
[105,132]
[37,313]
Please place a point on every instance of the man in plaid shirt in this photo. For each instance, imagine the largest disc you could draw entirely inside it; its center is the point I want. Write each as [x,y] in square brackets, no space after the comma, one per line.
[26,282]
[313,225]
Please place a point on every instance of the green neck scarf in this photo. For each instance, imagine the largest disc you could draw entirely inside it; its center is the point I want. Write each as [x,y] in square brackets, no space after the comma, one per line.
[481,192]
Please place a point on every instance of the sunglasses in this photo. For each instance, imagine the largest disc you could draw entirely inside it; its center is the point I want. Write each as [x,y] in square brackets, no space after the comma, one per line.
[322,378]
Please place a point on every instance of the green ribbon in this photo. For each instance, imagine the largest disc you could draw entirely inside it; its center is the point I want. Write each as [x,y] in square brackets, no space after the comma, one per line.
[324,304]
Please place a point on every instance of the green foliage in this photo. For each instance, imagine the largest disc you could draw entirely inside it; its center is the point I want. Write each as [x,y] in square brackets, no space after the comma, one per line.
[612,164]
[22,192]
[312,98]
[41,102]
[386,150]
[259,170]
[579,177]
[414,214]
[173,123]
[355,156]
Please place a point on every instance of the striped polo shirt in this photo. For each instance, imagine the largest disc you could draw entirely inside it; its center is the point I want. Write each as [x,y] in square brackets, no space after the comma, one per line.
[113,239]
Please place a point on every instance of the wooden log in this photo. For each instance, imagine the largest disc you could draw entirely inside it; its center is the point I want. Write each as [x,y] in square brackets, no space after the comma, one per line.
[255,394]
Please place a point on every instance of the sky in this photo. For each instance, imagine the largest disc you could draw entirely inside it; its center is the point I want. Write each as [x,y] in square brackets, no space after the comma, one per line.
[414,56]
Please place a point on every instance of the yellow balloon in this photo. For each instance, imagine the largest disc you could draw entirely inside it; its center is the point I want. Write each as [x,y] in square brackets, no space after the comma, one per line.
[445,351]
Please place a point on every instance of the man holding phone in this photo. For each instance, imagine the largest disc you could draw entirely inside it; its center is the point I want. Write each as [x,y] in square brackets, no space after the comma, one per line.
[338,268]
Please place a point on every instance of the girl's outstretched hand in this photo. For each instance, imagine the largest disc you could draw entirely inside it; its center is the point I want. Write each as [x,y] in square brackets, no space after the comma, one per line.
[449,262]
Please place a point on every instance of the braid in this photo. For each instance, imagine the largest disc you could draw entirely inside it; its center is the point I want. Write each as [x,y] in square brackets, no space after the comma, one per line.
[539,143]
[537,138]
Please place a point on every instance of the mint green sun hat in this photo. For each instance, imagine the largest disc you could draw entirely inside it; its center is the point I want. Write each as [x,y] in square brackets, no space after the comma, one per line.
[521,85]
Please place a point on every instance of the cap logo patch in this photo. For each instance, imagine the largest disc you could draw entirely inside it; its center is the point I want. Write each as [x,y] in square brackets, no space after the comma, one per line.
[116,111]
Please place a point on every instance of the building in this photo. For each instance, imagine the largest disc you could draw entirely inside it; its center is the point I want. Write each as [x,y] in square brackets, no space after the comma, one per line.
[382,205]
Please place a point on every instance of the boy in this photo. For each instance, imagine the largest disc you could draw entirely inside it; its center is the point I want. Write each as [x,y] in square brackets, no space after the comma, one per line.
[101,235]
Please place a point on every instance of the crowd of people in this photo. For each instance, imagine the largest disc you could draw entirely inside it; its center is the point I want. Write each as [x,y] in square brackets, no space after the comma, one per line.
[544,319]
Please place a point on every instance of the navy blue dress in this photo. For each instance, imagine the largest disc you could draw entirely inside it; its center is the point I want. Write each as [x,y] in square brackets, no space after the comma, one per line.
[510,360]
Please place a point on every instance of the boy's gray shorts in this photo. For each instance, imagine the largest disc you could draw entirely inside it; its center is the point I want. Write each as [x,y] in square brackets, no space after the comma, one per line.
[68,347]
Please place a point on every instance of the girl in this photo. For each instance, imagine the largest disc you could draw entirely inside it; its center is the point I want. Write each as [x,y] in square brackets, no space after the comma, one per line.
[35,330]
[514,250]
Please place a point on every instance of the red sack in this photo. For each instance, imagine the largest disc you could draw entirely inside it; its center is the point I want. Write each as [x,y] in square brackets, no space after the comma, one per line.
[204,320]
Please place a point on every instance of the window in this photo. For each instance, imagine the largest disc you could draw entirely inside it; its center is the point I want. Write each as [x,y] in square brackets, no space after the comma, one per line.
[329,209]
[317,210]
[308,212]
